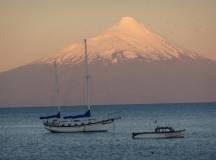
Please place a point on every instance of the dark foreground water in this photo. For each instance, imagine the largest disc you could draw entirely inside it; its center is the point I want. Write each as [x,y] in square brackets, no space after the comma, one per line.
[22,136]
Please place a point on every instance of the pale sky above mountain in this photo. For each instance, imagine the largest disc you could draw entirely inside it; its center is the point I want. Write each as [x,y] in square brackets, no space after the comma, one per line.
[32,29]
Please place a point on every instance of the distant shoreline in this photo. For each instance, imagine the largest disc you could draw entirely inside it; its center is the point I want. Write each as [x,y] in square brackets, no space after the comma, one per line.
[106,105]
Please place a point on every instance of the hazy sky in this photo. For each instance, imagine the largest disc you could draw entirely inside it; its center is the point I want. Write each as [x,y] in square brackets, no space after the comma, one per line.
[31,29]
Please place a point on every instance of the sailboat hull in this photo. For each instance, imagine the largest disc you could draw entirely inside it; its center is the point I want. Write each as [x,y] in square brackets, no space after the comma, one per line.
[101,126]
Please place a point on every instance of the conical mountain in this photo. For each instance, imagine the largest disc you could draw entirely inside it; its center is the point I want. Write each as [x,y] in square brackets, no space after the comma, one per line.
[124,41]
[129,64]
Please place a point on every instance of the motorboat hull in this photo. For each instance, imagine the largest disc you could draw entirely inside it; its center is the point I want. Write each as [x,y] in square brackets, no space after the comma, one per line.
[155,135]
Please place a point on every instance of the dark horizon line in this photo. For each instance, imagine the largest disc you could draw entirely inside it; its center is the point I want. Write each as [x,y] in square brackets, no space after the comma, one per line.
[99,105]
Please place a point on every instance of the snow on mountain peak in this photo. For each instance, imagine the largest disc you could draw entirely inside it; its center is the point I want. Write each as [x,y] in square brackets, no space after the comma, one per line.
[129,25]
[128,22]
[127,39]
[128,19]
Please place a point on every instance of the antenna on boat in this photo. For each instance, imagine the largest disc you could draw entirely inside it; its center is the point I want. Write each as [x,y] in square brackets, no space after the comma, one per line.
[57,86]
[87,76]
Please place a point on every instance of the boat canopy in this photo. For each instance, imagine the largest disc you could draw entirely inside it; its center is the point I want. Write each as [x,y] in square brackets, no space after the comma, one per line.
[86,114]
[164,129]
[51,116]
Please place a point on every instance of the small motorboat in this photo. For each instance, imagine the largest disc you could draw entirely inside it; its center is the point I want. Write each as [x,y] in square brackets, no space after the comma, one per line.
[160,132]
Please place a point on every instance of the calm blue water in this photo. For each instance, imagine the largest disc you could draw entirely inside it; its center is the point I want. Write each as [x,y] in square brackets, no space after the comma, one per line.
[22,136]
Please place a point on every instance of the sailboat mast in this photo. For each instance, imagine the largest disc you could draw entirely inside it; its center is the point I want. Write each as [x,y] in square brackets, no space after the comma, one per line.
[87,75]
[57,86]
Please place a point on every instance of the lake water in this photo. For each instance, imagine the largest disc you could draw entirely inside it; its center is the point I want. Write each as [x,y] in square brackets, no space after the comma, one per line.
[23,137]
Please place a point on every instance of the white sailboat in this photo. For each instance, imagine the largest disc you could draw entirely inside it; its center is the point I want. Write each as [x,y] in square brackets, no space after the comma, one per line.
[77,123]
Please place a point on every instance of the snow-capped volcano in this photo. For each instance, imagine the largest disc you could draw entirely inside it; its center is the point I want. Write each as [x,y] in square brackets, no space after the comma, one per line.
[126,40]
[129,64]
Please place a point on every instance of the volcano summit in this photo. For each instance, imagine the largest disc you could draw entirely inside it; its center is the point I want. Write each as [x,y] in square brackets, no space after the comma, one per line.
[128,63]
[124,41]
